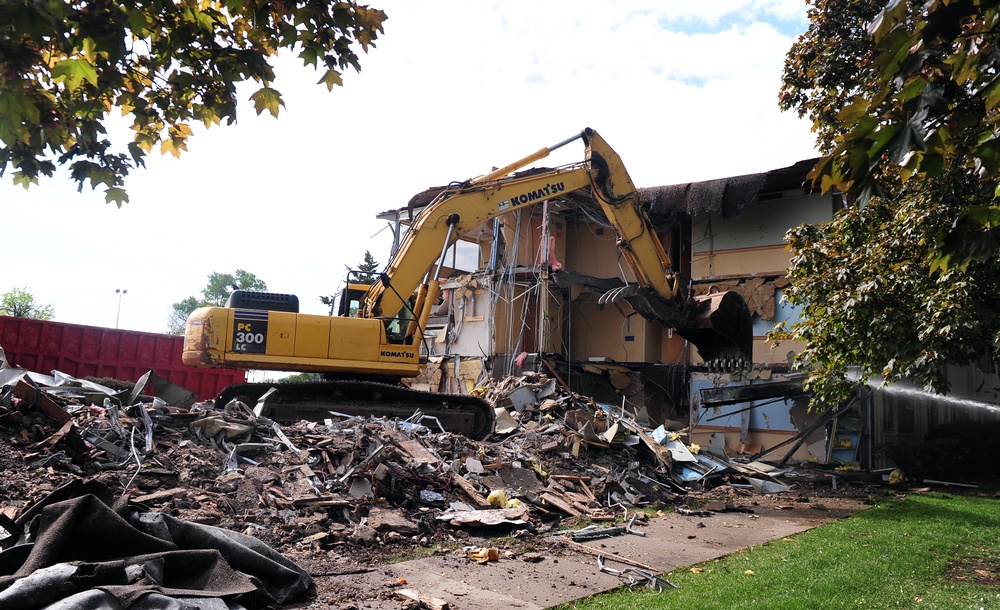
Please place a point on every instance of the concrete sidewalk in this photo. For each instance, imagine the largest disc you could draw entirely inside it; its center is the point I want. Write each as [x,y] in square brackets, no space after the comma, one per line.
[562,576]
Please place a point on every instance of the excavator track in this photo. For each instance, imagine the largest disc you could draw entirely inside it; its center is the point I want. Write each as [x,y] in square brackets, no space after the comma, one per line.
[314,401]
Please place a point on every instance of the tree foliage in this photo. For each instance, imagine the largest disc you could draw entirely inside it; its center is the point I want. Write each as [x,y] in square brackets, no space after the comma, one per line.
[66,64]
[365,273]
[215,294]
[922,102]
[903,101]
[20,303]
[871,305]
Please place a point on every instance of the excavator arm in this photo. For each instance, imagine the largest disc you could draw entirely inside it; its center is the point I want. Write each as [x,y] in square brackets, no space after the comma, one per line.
[457,210]
[718,325]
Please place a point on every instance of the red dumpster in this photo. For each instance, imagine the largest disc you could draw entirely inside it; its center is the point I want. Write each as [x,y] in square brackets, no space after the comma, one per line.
[93,351]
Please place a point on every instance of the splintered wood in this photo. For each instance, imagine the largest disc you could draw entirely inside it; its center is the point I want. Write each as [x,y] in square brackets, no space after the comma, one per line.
[571,495]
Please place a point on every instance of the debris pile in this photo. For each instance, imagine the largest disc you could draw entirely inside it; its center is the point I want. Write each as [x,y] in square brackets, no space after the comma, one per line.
[349,482]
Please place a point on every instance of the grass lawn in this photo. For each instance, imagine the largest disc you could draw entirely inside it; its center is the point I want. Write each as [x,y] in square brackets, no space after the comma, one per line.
[932,550]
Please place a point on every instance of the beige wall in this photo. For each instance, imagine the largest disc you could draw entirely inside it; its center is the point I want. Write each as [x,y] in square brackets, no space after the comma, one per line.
[605,333]
[740,262]
[591,250]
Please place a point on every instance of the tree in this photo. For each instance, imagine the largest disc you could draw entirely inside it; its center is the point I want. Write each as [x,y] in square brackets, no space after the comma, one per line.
[65,64]
[19,303]
[922,101]
[215,294]
[221,285]
[872,305]
[366,273]
[179,313]
[904,281]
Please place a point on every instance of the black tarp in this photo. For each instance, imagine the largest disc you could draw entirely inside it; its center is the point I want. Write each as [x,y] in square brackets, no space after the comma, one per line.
[81,548]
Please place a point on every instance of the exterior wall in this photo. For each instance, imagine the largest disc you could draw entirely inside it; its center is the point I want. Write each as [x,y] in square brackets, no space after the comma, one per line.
[748,430]
[747,253]
[760,227]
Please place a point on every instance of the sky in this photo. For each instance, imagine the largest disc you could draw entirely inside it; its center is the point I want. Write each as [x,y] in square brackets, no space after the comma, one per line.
[683,91]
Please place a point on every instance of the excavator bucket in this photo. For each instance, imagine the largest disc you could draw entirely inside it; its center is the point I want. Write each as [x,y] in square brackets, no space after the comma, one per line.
[717,324]
[720,327]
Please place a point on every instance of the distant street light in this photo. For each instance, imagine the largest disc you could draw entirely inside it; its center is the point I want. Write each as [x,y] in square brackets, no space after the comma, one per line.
[120,294]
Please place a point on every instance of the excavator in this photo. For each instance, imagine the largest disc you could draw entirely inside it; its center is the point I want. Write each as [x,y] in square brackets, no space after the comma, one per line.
[365,350]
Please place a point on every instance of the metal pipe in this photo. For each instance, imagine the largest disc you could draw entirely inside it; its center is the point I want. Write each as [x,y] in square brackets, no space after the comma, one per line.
[535,156]
[452,221]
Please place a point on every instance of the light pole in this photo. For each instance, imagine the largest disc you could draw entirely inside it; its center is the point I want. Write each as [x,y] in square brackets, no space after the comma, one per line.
[120,294]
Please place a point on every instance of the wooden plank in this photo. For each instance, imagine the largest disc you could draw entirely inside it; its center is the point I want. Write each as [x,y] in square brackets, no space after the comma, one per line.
[159,495]
[424,601]
[34,396]
[599,553]
[568,477]
[469,490]
[417,452]
[560,503]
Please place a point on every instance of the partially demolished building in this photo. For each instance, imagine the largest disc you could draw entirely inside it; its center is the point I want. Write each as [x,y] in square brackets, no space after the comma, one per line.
[525,294]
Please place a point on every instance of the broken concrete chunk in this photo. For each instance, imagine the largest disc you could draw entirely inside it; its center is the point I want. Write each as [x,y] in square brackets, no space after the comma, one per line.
[391,520]
[500,516]
[474,466]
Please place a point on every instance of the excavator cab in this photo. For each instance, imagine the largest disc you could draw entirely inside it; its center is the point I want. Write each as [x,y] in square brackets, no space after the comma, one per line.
[349,300]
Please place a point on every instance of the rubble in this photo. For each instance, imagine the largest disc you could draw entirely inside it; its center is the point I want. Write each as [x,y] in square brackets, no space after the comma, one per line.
[348,483]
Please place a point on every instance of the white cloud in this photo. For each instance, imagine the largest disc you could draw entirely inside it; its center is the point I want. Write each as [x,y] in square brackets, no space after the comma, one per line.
[684,91]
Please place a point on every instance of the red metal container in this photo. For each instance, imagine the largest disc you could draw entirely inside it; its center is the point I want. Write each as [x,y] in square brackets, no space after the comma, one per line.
[93,351]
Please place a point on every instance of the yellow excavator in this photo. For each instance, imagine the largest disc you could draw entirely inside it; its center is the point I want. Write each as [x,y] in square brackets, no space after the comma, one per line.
[364,355]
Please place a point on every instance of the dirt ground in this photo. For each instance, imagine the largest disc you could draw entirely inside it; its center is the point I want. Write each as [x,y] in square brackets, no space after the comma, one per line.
[384,518]
[542,570]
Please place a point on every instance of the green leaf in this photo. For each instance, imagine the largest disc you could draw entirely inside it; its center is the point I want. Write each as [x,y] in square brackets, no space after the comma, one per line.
[988,154]
[852,113]
[268,99]
[309,56]
[14,106]
[881,140]
[24,179]
[913,88]
[331,78]
[117,195]
[73,71]
[991,95]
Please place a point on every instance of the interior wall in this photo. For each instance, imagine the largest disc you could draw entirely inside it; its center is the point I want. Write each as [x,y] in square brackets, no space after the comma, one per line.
[591,250]
[604,333]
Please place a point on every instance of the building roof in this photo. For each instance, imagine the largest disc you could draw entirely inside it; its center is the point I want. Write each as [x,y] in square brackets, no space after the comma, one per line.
[726,196]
